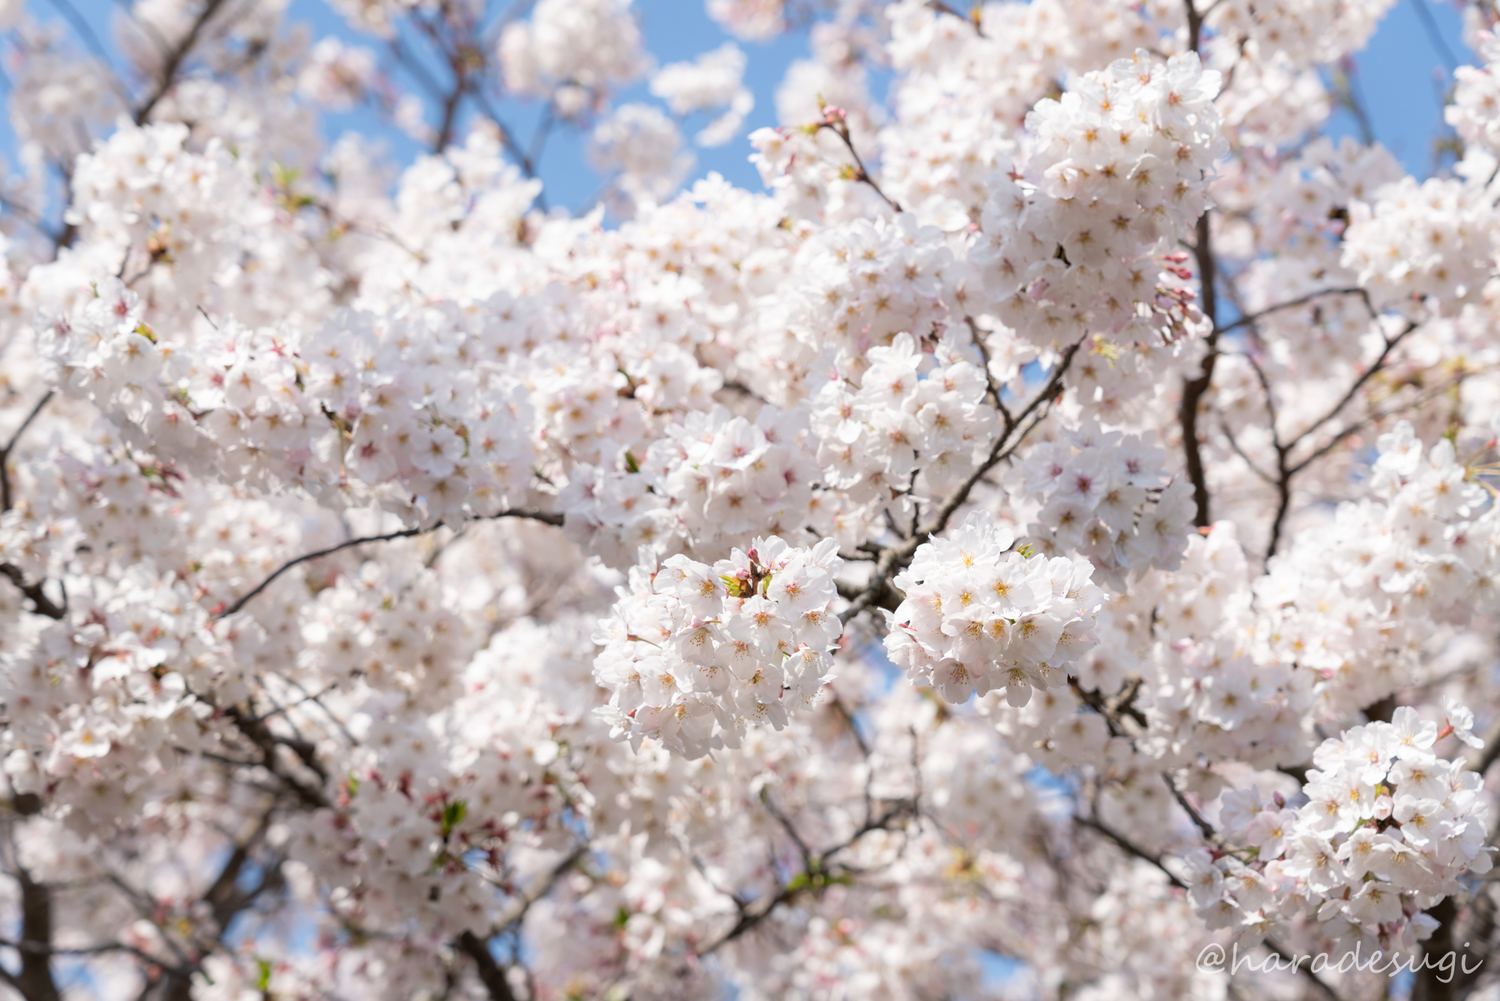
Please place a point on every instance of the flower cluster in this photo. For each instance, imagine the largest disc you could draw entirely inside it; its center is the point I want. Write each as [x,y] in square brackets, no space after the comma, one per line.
[1104,495]
[190,223]
[324,414]
[978,617]
[1429,242]
[1302,32]
[1115,169]
[952,74]
[1387,829]
[1357,601]
[643,147]
[712,482]
[713,80]
[908,411]
[570,50]
[694,653]
[1475,111]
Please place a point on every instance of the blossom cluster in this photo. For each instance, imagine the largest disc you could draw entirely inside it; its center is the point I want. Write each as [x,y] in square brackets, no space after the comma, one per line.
[711,482]
[694,653]
[322,464]
[569,50]
[908,411]
[978,616]
[1102,494]
[325,413]
[1418,551]
[1429,241]
[1113,171]
[1387,829]
[1475,111]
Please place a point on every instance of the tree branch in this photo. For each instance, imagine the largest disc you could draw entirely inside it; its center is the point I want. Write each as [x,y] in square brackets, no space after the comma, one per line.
[41,604]
[35,979]
[490,972]
[1193,390]
[895,558]
[545,517]
[175,60]
[5,494]
[1251,319]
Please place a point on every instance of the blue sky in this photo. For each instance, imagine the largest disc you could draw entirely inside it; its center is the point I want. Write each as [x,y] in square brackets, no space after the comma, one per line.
[1401,77]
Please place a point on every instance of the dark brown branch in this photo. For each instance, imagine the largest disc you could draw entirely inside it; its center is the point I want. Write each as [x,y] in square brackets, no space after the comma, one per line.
[1193,390]
[895,558]
[41,604]
[1376,417]
[174,61]
[35,979]
[256,731]
[1195,24]
[546,517]
[1283,480]
[1203,826]
[1391,343]
[490,972]
[786,823]
[984,355]
[1130,848]
[1251,319]
[5,494]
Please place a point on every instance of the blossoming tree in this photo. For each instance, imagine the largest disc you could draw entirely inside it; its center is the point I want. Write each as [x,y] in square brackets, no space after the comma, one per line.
[1049,526]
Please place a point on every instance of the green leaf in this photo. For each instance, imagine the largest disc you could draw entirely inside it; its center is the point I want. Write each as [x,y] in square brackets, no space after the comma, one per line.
[453,815]
[263,980]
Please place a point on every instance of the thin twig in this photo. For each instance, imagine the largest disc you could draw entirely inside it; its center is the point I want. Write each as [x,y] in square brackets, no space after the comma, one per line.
[1435,35]
[895,558]
[405,533]
[174,61]
[1252,318]
[5,497]
[1376,367]
[837,122]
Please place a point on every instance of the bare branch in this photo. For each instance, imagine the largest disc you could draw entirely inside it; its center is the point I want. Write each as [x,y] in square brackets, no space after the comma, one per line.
[893,559]
[1251,319]
[1193,390]
[835,121]
[41,603]
[405,533]
[1130,848]
[5,495]
[1391,343]
[174,61]
[490,972]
